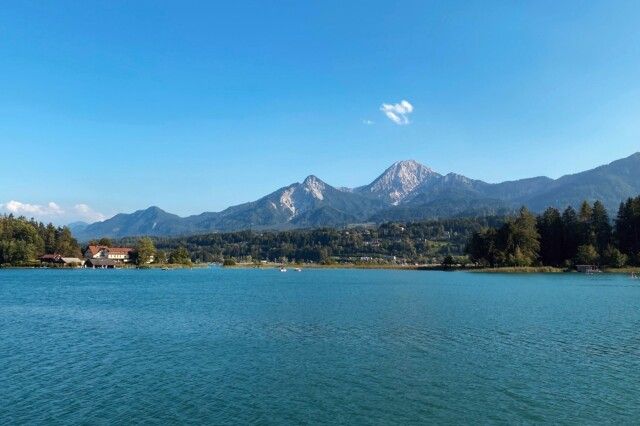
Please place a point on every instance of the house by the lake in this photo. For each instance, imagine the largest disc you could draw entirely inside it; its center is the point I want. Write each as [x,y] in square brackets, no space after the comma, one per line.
[116,254]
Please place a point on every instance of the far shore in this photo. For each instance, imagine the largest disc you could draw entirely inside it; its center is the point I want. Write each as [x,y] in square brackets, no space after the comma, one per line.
[370,266]
[272,265]
[429,267]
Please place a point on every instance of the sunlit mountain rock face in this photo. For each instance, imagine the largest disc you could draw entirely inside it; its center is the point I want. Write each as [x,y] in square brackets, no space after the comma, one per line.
[407,190]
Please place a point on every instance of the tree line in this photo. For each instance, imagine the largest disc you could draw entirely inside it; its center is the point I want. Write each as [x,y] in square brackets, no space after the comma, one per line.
[23,241]
[416,242]
[145,252]
[562,239]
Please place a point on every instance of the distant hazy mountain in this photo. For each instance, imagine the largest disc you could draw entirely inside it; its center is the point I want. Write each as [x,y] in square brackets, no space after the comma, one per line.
[407,190]
[77,227]
[610,183]
[152,221]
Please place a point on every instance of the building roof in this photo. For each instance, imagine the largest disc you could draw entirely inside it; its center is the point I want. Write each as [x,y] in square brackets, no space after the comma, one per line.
[71,260]
[50,257]
[119,250]
[94,249]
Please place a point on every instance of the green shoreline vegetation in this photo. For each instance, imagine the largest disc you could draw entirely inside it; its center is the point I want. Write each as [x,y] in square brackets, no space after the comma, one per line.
[23,241]
[399,244]
[562,240]
[553,241]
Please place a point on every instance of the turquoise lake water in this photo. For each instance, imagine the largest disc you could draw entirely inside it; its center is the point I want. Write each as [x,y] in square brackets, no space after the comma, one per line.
[238,346]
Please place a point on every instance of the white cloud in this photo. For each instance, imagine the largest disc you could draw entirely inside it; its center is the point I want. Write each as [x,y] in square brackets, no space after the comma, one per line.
[398,113]
[88,214]
[19,208]
[53,208]
[52,212]
[368,122]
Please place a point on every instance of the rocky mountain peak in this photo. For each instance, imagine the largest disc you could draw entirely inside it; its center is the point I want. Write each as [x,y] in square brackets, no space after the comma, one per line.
[314,186]
[399,180]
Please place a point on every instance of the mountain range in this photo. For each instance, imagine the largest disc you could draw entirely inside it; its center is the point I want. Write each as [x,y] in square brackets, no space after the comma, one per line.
[405,191]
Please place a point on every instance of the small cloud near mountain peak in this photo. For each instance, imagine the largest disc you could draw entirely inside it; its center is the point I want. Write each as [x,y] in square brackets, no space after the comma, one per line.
[398,113]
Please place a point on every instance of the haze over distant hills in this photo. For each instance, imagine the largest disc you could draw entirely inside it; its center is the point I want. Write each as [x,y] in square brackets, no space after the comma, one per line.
[405,191]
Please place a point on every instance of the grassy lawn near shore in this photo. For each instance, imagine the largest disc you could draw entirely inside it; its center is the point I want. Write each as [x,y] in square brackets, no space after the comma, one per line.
[624,270]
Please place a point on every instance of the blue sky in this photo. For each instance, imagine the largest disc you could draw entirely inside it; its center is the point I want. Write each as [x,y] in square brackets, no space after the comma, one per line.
[194,106]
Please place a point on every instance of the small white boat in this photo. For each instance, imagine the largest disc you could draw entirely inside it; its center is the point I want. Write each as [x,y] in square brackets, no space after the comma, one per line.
[298,270]
[283,269]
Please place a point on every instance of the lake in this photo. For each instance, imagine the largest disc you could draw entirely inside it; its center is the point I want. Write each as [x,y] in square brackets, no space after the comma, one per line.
[237,346]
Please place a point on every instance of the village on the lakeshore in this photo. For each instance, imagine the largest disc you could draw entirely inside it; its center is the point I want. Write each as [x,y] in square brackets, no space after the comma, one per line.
[95,256]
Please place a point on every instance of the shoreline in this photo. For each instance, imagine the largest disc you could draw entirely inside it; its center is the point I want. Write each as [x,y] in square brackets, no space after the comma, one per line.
[329,266]
[293,266]
[501,270]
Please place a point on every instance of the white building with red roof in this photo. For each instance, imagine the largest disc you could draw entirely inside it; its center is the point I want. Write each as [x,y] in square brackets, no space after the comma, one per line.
[118,254]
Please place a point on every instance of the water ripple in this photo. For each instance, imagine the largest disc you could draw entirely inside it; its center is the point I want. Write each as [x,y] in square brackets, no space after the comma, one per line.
[322,347]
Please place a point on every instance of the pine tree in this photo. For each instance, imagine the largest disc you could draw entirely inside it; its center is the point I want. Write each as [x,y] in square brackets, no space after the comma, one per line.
[600,227]
[180,256]
[586,255]
[550,230]
[585,232]
[523,240]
